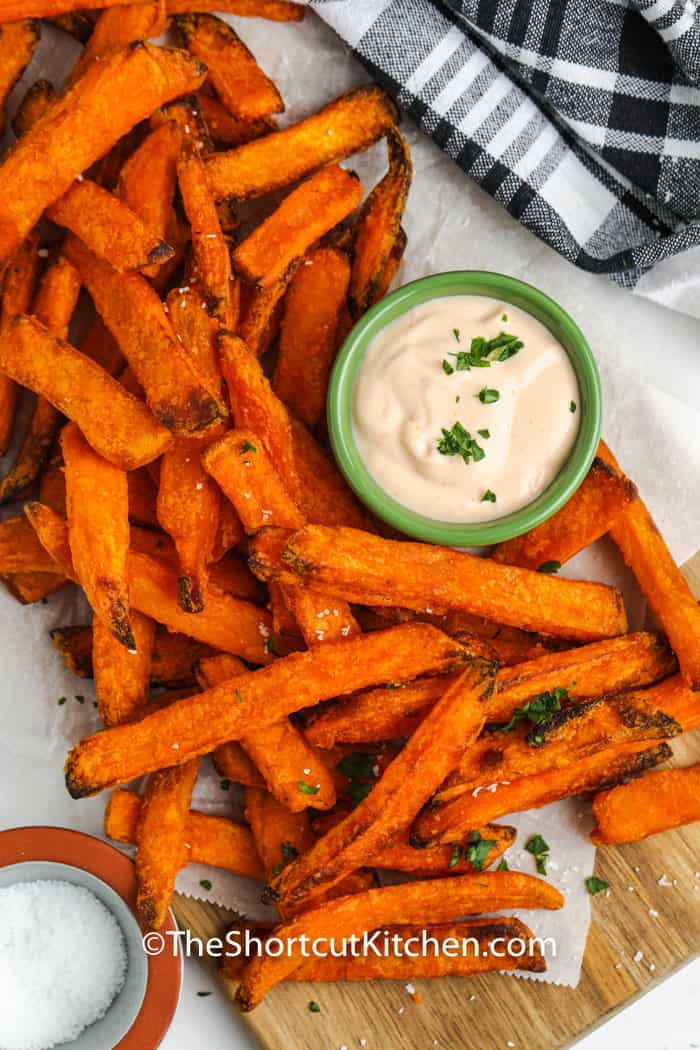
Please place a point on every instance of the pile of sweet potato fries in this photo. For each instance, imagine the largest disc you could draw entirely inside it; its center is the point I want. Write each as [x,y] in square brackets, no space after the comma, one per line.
[359,687]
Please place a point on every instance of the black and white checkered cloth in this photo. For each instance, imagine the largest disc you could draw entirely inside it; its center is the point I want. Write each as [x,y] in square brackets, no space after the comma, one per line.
[581,117]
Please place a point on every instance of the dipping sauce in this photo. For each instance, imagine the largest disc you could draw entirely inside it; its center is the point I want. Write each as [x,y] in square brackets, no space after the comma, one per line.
[465,409]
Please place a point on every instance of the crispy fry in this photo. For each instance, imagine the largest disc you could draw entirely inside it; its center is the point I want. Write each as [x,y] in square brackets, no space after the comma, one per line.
[121,677]
[82,125]
[108,227]
[12,10]
[211,252]
[29,587]
[100,346]
[117,27]
[321,617]
[443,824]
[255,407]
[391,268]
[324,497]
[131,309]
[587,516]
[308,333]
[116,424]
[274,10]
[147,180]
[246,92]
[655,803]
[478,935]
[451,859]
[231,575]
[188,509]
[262,313]
[241,467]
[408,782]
[279,834]
[196,330]
[441,899]
[512,645]
[202,722]
[282,620]
[349,124]
[142,498]
[378,225]
[232,763]
[54,305]
[375,571]
[306,214]
[216,841]
[21,550]
[229,131]
[18,282]
[161,837]
[97,504]
[644,550]
[33,106]
[18,41]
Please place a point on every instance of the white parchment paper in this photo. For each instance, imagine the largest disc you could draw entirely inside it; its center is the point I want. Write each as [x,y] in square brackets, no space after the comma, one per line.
[450,225]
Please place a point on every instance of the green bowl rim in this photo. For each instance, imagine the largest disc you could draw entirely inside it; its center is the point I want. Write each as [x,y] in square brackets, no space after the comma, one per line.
[436,286]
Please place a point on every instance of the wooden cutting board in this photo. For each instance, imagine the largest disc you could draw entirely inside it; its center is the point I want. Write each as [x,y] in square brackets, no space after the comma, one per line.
[495,1012]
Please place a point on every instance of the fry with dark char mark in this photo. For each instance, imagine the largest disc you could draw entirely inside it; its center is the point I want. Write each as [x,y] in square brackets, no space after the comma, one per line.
[202,722]
[161,837]
[176,394]
[18,280]
[311,210]
[97,502]
[245,90]
[628,662]
[444,823]
[209,840]
[408,904]
[117,27]
[307,343]
[53,306]
[378,226]
[36,101]
[391,267]
[82,125]
[373,571]
[18,42]
[121,677]
[274,10]
[657,802]
[664,586]
[350,124]
[261,312]
[587,516]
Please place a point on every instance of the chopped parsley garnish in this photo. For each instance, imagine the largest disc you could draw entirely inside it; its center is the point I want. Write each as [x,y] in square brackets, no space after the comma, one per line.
[595,885]
[395,685]
[540,708]
[270,646]
[203,995]
[455,333]
[447,367]
[478,850]
[205,884]
[456,855]
[225,784]
[80,698]
[503,866]
[307,789]
[459,442]
[289,852]
[488,497]
[539,849]
[248,446]
[62,700]
[239,696]
[572,406]
[358,767]
[314,1007]
[488,396]
[457,399]
[485,433]
[550,567]
[504,318]
[503,346]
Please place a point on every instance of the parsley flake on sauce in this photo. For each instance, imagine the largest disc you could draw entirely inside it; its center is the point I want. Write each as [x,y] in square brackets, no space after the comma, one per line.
[458,442]
[488,396]
[488,497]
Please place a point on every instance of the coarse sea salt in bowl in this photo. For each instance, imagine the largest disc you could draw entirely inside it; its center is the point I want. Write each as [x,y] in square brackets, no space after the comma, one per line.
[72,965]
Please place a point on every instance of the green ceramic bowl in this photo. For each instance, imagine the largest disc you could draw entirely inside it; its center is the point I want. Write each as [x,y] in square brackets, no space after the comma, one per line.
[464,282]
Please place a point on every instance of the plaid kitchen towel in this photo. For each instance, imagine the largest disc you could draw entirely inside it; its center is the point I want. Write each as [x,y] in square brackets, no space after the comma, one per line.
[581,117]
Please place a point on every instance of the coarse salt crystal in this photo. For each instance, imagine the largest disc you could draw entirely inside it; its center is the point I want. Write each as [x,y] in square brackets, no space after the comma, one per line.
[411,989]
[664,881]
[638,956]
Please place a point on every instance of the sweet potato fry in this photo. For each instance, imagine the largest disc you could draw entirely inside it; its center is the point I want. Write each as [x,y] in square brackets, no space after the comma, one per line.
[97,503]
[512,645]
[306,214]
[18,41]
[177,395]
[21,550]
[231,575]
[122,678]
[232,764]
[378,224]
[644,550]
[295,775]
[443,824]
[147,179]
[12,10]
[202,722]
[74,643]
[161,835]
[30,587]
[349,124]
[375,571]
[18,280]
[587,516]
[226,130]
[99,345]
[656,802]
[116,424]
[241,467]
[117,27]
[261,313]
[54,305]
[255,407]
[408,782]
[82,126]
[142,498]
[391,268]
[36,101]
[441,899]
[108,227]
[246,92]
[484,940]
[274,10]
[322,494]
[216,841]
[279,835]
[321,617]
[477,849]
[196,330]
[308,333]
[211,252]
[188,510]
